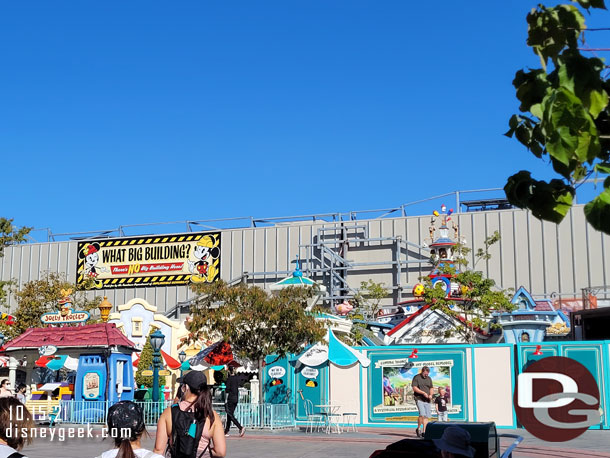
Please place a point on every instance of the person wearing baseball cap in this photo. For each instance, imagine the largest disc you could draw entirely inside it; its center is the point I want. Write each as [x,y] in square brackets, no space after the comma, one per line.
[126,426]
[197,403]
[455,443]
[195,380]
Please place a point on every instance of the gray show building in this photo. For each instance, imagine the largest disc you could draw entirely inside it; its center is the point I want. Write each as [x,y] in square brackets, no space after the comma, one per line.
[549,260]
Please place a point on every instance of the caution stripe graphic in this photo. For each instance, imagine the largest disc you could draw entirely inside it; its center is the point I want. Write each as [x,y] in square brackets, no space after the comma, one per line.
[113,263]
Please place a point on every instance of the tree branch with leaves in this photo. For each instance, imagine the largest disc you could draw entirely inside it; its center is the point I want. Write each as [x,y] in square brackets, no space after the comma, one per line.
[369,297]
[565,117]
[38,297]
[9,235]
[255,323]
[478,297]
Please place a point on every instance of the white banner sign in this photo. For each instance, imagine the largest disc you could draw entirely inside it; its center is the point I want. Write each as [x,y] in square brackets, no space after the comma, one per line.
[406,361]
[403,408]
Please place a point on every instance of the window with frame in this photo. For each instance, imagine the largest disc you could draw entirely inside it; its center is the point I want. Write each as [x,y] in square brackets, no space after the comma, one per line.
[136,328]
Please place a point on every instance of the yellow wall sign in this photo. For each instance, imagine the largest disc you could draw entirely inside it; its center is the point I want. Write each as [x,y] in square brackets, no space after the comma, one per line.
[164,260]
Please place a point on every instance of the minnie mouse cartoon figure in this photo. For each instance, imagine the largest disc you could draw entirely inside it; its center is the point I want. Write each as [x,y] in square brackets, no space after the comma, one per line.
[92,257]
[205,251]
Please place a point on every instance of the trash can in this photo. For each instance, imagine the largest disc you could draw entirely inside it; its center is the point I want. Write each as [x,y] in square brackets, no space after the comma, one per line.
[483,436]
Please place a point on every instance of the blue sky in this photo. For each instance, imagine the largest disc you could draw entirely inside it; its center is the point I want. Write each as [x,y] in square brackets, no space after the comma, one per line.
[143,111]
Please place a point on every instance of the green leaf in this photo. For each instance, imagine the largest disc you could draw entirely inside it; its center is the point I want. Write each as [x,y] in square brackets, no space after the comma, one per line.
[598,100]
[531,88]
[591,4]
[527,132]
[536,110]
[598,211]
[569,128]
[549,201]
[518,188]
[580,173]
[550,30]
[582,76]
[602,167]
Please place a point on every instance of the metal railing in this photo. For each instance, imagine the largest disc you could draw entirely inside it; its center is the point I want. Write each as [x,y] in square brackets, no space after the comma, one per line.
[95,412]
[265,416]
[240,222]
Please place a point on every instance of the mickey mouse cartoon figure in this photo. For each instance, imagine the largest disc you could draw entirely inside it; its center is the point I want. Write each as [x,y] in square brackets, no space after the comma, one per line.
[205,268]
[92,257]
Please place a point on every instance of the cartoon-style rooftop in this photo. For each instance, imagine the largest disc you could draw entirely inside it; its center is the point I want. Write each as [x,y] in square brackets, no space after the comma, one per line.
[102,335]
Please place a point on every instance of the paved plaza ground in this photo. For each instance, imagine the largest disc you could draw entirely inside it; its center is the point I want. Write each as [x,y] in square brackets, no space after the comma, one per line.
[298,444]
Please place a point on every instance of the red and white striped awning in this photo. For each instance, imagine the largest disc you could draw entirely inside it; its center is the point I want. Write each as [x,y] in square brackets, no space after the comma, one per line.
[167,359]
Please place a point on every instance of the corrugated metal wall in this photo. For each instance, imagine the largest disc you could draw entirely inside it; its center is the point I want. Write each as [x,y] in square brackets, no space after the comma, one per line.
[544,257]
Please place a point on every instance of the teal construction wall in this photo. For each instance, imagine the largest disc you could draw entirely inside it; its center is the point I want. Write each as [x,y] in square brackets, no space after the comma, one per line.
[481,380]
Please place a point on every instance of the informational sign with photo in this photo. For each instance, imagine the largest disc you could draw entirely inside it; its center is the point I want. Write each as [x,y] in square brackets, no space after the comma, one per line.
[397,378]
[165,260]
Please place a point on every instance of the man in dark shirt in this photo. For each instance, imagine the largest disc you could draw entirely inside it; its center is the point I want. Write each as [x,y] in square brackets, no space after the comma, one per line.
[422,392]
[232,393]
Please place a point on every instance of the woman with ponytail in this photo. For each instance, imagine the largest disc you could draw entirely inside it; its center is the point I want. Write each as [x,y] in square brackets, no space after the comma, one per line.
[126,426]
[196,405]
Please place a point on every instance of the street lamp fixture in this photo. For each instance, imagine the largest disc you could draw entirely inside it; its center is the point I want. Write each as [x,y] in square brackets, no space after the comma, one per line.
[181,358]
[156,341]
[105,307]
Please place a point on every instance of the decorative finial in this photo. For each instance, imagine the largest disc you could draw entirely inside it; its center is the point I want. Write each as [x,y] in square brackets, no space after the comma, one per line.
[297,272]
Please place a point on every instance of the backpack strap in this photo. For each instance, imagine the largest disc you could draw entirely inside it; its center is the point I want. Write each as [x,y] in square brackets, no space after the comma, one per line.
[198,434]
[16,455]
[204,450]
[170,438]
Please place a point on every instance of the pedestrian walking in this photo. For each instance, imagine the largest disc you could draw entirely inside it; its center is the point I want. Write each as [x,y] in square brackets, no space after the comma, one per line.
[422,392]
[191,428]
[232,392]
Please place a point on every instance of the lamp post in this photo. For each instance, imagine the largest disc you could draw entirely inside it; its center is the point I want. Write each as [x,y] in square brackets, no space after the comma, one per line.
[105,307]
[156,341]
[181,358]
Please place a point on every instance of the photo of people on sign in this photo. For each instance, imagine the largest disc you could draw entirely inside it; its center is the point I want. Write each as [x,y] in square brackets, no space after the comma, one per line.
[149,261]
[397,379]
